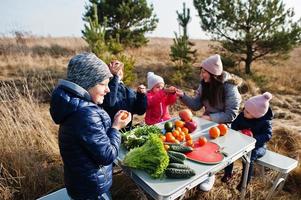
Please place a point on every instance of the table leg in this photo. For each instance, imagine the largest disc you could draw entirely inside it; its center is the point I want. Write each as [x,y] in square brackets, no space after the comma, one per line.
[245,175]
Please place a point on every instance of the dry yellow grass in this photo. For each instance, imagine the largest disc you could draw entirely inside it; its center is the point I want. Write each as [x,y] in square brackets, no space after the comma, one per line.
[30,164]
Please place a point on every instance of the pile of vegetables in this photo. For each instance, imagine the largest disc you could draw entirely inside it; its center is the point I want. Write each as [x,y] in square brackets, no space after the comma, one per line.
[138,136]
[150,157]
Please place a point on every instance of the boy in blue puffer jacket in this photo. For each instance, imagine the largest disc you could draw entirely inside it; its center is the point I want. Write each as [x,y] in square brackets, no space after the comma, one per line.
[122,97]
[88,140]
[255,121]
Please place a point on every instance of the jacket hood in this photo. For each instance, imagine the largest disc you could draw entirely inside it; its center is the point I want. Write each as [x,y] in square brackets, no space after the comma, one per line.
[232,79]
[66,98]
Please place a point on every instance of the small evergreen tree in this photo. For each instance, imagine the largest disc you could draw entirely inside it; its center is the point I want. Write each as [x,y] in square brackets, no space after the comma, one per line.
[181,50]
[127,19]
[94,35]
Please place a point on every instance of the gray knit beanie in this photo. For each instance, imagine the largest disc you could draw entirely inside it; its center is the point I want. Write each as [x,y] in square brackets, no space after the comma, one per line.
[87,70]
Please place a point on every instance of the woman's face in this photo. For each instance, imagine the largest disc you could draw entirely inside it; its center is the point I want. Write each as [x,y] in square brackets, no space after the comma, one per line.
[158,87]
[205,75]
[247,114]
[98,92]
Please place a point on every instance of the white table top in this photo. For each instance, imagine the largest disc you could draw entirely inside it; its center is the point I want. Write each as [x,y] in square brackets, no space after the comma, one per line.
[234,143]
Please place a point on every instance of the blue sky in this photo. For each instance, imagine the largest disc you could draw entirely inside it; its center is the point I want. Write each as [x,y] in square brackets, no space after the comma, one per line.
[64,17]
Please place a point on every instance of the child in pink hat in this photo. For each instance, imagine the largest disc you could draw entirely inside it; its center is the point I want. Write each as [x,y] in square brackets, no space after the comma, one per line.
[256,121]
[158,99]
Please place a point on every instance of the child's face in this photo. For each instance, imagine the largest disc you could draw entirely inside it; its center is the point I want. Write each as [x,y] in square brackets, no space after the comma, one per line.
[158,87]
[247,114]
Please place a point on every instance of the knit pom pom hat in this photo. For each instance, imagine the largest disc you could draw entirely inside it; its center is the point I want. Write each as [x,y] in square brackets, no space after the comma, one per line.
[213,64]
[258,105]
[153,79]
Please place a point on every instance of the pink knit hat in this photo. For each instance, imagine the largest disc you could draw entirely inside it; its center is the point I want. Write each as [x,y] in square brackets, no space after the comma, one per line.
[258,105]
[213,64]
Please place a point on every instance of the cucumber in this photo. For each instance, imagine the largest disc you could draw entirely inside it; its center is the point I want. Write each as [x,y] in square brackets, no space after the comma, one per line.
[177,154]
[174,159]
[178,166]
[179,173]
[180,148]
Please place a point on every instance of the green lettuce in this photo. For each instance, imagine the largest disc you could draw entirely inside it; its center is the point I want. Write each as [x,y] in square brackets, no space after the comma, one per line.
[150,157]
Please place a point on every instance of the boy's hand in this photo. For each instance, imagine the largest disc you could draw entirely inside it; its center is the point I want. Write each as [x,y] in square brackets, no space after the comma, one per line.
[141,89]
[115,66]
[121,119]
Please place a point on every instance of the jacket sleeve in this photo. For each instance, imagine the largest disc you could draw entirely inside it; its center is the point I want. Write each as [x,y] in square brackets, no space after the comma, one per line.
[264,135]
[140,104]
[101,145]
[194,103]
[171,99]
[236,122]
[110,99]
[232,103]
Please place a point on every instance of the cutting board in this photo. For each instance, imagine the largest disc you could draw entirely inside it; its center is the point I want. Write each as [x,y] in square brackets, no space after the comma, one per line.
[210,153]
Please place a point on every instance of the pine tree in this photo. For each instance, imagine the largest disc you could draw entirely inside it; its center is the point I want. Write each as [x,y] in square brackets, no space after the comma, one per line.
[250,29]
[181,51]
[127,19]
[94,35]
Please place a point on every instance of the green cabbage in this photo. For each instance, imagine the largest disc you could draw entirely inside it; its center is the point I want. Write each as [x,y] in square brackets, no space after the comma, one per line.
[150,157]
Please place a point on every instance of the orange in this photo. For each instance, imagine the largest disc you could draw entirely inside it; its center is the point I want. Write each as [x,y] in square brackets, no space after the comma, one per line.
[188,137]
[179,123]
[202,141]
[185,130]
[178,129]
[163,138]
[189,143]
[175,133]
[166,147]
[214,132]
[180,137]
[124,115]
[169,137]
[223,128]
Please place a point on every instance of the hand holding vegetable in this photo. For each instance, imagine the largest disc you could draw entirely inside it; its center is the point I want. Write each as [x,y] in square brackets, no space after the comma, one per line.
[121,119]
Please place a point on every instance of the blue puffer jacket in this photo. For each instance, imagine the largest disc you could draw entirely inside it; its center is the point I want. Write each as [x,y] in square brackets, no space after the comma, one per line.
[260,127]
[88,144]
[123,98]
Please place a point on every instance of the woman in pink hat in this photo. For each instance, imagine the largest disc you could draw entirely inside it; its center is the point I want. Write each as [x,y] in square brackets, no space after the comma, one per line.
[255,121]
[218,94]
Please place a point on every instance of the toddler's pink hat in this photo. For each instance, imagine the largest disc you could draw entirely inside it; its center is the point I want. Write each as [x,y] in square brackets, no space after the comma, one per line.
[213,64]
[258,105]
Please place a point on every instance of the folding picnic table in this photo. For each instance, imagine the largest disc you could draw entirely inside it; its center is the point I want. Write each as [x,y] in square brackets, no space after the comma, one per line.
[234,144]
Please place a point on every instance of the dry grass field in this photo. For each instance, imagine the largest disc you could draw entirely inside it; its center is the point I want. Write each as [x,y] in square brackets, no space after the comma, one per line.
[30,164]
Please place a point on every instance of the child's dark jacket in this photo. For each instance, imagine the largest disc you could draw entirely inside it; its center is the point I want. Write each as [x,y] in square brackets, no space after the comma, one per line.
[121,97]
[260,127]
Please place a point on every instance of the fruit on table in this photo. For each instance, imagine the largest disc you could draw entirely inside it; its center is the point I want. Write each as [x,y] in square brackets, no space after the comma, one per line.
[168,126]
[202,141]
[223,128]
[214,132]
[179,123]
[191,126]
[170,137]
[185,115]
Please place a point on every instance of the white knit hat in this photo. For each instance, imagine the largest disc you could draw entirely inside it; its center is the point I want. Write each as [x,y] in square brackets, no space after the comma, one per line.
[153,79]
[213,64]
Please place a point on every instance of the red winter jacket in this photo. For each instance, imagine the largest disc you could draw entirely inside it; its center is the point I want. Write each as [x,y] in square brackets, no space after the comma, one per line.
[157,106]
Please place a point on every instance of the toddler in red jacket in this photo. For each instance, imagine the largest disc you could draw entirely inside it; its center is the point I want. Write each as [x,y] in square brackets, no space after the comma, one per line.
[158,99]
